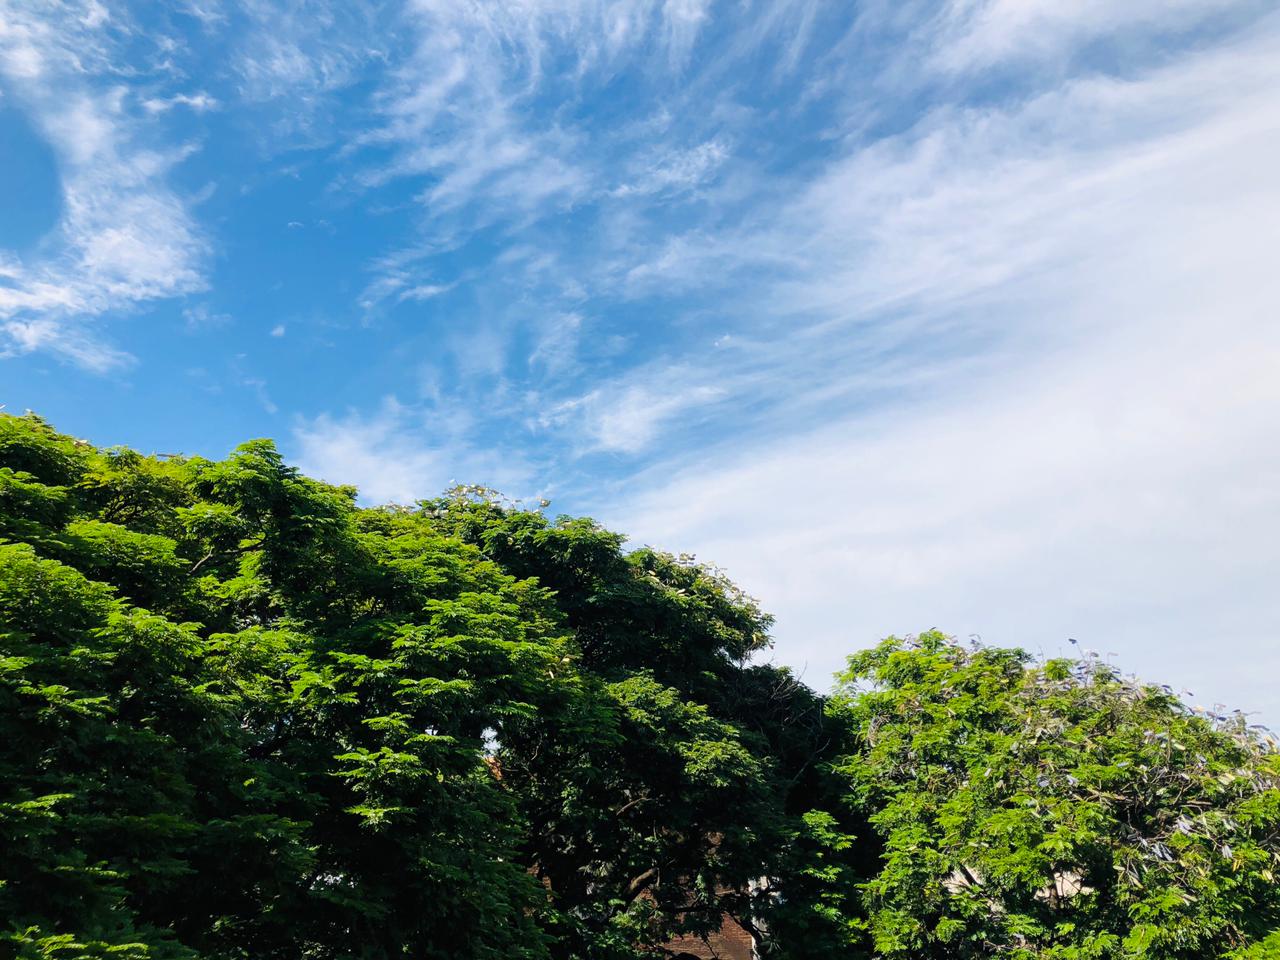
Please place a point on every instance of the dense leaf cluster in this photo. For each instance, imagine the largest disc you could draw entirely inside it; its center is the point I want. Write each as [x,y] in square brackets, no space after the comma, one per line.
[242,716]
[1057,810]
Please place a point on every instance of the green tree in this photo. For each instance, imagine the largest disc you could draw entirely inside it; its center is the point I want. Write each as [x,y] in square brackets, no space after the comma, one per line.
[1056,810]
[674,791]
[249,717]
[243,717]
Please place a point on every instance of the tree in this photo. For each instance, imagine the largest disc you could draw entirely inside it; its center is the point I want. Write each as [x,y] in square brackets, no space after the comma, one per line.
[243,716]
[1056,810]
[685,799]
[249,717]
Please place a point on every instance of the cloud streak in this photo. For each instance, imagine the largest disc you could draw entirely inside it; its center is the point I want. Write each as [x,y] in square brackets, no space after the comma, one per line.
[399,454]
[963,307]
[1083,462]
[125,237]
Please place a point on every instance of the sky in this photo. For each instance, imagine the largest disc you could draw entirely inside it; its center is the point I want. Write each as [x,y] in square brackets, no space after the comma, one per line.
[960,314]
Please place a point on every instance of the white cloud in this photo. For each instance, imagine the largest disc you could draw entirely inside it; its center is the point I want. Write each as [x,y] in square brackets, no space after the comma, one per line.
[1094,455]
[675,170]
[423,291]
[20,60]
[977,33]
[626,418]
[199,102]
[259,388]
[495,112]
[125,236]
[201,316]
[375,454]
[452,112]
[400,277]
[940,239]
[300,50]
[465,112]
[41,332]
[557,346]
[400,454]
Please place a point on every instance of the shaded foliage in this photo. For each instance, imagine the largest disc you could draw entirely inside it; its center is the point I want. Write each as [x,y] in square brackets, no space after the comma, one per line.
[687,804]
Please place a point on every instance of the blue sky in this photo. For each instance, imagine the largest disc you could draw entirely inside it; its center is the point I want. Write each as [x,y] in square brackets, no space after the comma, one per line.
[910,314]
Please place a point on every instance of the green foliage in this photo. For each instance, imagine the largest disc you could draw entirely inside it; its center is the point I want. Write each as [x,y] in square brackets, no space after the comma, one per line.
[1056,810]
[245,717]
[669,789]
[242,716]
[242,719]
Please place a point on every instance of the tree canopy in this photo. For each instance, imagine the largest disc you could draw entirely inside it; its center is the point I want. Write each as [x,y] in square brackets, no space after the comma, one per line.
[1056,810]
[243,716]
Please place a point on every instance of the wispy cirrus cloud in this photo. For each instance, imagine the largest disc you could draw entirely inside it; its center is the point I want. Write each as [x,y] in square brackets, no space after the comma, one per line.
[558,342]
[125,236]
[199,102]
[297,51]
[936,239]
[973,34]
[488,113]
[964,307]
[452,113]
[627,417]
[400,454]
[1083,278]
[674,170]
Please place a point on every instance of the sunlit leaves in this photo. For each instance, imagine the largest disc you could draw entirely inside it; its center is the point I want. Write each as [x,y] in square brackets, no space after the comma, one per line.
[243,717]
[1055,810]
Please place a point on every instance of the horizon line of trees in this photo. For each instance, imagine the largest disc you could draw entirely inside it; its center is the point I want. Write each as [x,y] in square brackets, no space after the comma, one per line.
[243,717]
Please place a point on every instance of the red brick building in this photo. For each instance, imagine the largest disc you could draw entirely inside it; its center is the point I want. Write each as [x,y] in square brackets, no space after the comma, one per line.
[731,942]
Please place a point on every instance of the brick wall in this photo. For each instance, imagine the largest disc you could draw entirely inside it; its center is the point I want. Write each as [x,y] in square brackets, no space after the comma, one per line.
[730,943]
